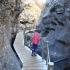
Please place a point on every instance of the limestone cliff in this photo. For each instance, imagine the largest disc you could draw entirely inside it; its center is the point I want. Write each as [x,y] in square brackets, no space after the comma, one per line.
[9,11]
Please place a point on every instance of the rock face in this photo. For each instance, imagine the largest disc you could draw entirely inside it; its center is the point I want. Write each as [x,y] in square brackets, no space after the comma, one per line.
[30,13]
[29,17]
[55,25]
[9,12]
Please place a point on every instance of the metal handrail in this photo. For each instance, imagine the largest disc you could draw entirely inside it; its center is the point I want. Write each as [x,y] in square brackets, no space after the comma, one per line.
[62,59]
[50,65]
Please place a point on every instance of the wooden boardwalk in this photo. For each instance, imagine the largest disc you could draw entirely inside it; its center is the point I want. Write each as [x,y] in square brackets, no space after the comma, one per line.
[29,62]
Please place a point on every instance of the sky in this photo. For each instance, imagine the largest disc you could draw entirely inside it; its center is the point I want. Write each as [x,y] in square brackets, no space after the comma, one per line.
[40,3]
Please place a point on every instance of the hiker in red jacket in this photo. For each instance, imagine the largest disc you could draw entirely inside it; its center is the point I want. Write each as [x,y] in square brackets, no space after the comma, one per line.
[35,41]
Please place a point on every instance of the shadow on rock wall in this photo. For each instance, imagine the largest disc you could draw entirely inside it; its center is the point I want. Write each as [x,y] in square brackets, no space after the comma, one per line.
[56,27]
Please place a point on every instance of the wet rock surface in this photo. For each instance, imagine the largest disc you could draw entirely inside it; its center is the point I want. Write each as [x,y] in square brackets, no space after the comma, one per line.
[55,24]
[8,60]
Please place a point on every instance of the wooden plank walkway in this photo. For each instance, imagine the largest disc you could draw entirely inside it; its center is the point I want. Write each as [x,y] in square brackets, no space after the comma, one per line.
[29,62]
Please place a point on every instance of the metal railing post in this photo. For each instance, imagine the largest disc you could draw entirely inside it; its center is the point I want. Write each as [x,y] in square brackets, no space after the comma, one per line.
[50,64]
[42,53]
